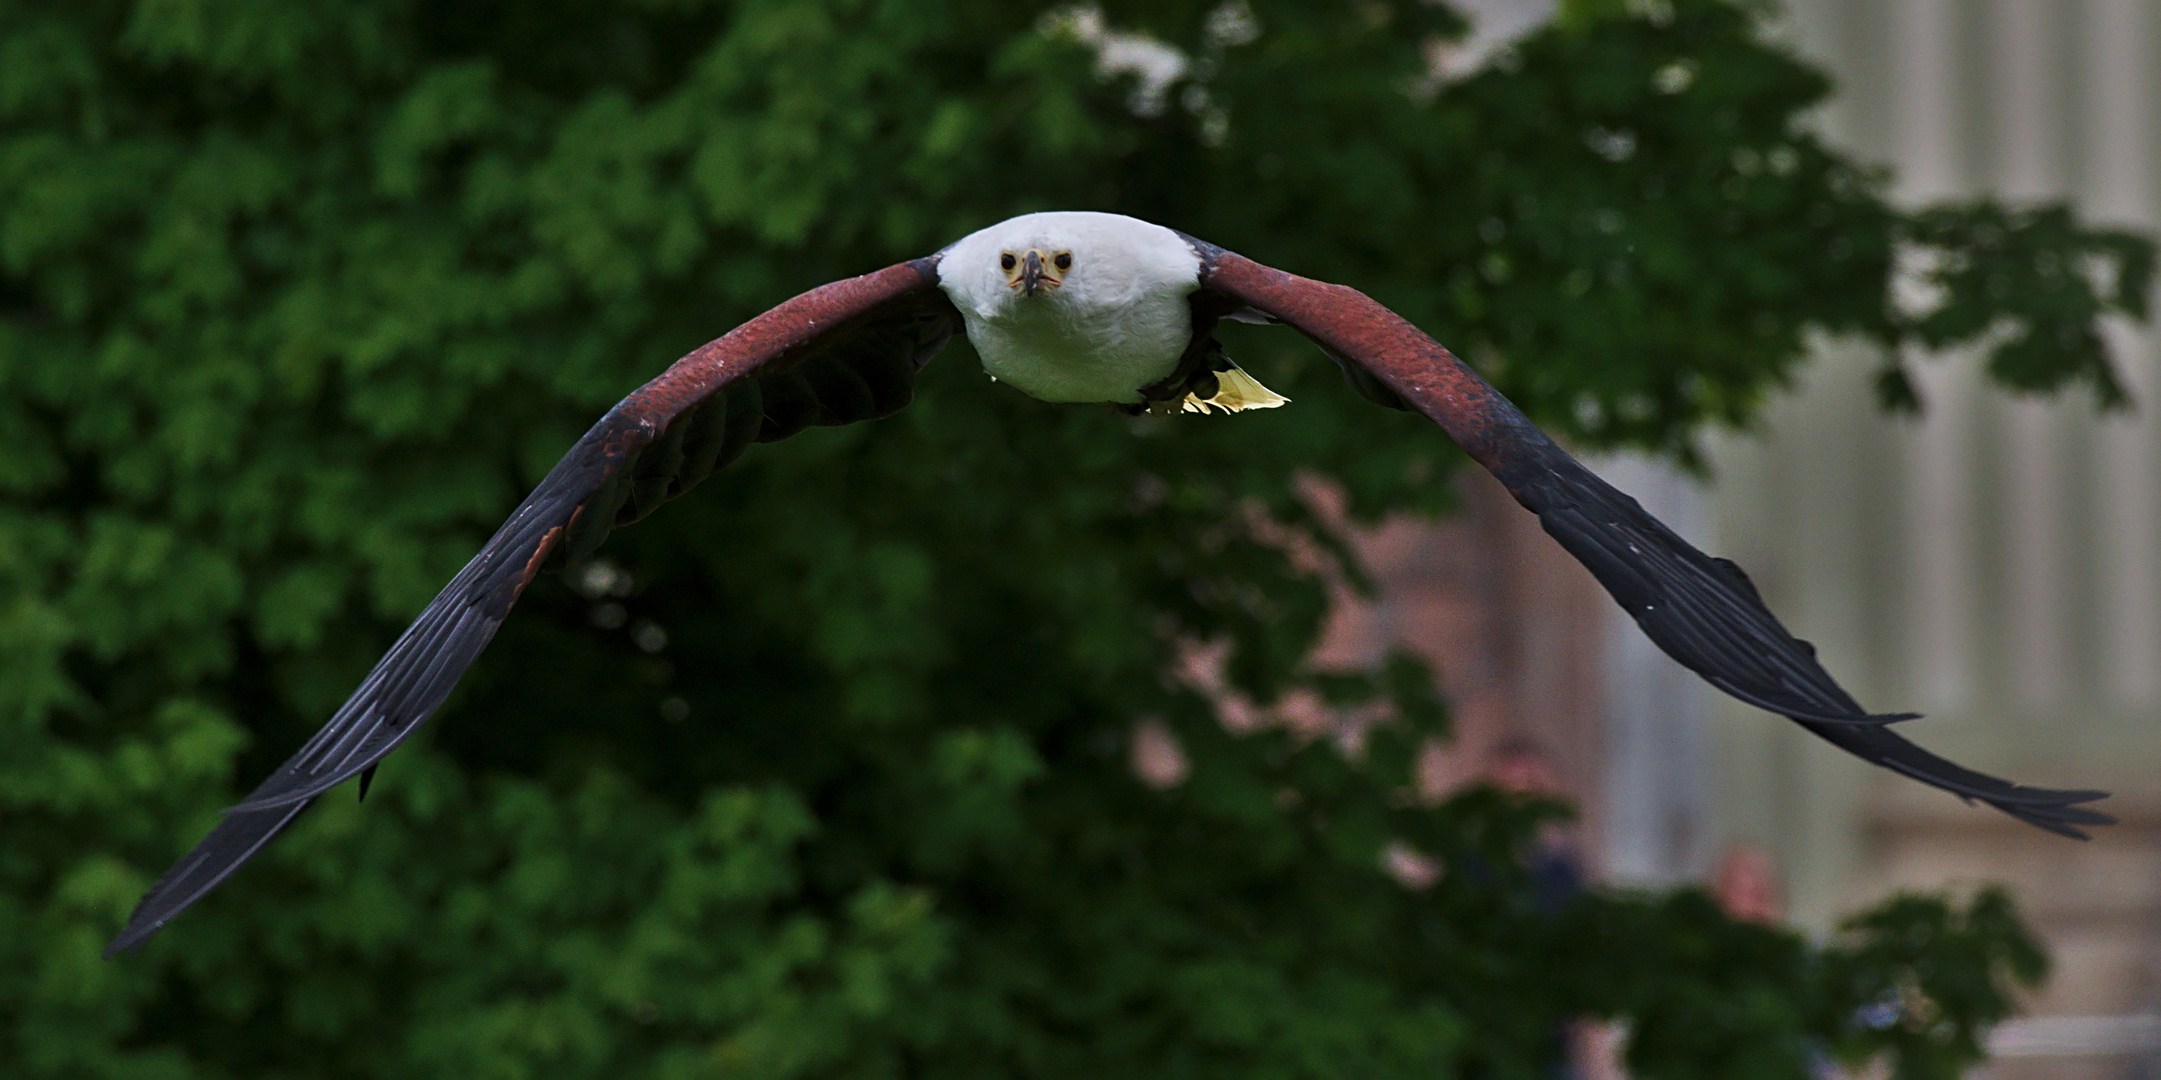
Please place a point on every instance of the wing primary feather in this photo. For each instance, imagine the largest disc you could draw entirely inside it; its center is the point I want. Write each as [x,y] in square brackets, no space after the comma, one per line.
[232,842]
[387,698]
[416,675]
[1703,612]
[1721,632]
[1628,584]
[1685,619]
[338,732]
[375,726]
[2056,811]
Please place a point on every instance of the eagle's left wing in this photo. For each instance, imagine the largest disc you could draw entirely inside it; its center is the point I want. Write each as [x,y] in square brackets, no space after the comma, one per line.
[1702,611]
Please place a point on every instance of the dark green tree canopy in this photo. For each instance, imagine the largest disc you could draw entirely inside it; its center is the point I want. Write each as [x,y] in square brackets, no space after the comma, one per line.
[823,770]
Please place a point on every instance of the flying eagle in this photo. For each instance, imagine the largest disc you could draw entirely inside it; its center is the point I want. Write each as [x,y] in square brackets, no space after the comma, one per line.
[1065,307]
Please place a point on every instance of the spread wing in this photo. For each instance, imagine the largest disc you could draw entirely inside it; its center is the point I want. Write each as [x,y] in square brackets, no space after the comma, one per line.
[838,354]
[1702,611]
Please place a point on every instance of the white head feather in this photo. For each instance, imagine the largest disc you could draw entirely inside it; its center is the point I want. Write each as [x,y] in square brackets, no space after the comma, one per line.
[1118,321]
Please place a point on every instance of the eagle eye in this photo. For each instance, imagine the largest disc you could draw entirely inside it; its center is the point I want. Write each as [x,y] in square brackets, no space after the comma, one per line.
[1006,261]
[1064,261]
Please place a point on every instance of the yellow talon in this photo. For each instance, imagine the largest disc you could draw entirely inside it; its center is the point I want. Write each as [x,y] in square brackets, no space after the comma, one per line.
[1236,391]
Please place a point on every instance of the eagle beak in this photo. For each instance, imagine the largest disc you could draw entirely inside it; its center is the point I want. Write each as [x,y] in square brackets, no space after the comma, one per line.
[1029,274]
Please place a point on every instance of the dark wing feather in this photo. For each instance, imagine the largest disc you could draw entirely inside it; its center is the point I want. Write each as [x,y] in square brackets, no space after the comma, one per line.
[838,354]
[1702,611]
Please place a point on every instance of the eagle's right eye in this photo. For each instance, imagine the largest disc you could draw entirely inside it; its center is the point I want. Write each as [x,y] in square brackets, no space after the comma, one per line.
[1006,261]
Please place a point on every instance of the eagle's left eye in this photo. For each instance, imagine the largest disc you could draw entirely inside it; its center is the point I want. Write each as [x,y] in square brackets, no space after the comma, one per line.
[1064,261]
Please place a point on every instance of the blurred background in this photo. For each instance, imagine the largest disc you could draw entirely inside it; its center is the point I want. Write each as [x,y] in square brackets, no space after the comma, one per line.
[1995,563]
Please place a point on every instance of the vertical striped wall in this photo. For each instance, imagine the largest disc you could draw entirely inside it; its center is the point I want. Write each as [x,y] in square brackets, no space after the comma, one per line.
[1996,564]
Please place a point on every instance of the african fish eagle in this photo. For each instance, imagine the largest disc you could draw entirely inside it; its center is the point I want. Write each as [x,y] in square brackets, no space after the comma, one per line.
[1065,307]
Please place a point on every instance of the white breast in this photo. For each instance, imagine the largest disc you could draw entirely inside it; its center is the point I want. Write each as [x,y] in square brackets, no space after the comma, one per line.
[1119,322]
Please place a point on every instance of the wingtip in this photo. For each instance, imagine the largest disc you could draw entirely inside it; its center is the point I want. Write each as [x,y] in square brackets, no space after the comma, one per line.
[2064,826]
[2060,829]
[130,941]
[2058,812]
[138,931]
[232,843]
[2049,799]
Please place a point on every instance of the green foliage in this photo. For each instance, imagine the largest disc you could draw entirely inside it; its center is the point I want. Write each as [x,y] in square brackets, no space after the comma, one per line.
[1929,969]
[830,777]
[2034,280]
[1915,980]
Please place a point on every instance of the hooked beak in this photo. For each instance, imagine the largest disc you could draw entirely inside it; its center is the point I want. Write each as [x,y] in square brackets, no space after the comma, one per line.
[1031,272]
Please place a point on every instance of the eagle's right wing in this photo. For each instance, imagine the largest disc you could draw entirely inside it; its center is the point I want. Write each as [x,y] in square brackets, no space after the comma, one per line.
[1702,611]
[837,354]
